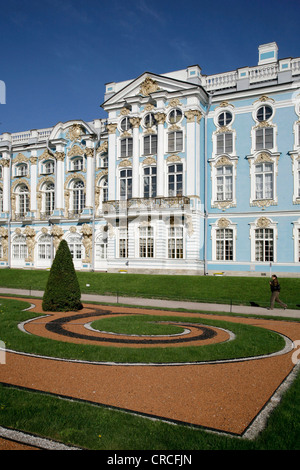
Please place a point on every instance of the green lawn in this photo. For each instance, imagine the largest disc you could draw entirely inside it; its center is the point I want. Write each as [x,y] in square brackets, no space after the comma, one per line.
[226,289]
[100,428]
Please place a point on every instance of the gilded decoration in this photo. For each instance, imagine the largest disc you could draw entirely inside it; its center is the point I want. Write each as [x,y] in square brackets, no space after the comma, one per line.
[189,225]
[75,132]
[103,147]
[87,242]
[223,205]
[263,158]
[174,103]
[89,152]
[149,107]
[148,86]
[75,151]
[4,243]
[73,229]
[5,162]
[135,122]
[160,118]
[225,104]
[46,154]
[263,222]
[263,203]
[192,114]
[124,111]
[149,161]
[57,234]
[33,160]
[222,130]
[60,156]
[125,163]
[20,158]
[223,161]
[73,176]
[45,179]
[29,232]
[111,128]
[173,159]
[223,223]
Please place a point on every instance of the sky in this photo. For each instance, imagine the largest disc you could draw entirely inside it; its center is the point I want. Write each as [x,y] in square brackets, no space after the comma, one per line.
[57,55]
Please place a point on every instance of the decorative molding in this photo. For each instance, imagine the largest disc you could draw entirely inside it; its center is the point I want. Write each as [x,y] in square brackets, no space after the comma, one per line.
[75,132]
[148,86]
[160,118]
[103,147]
[192,114]
[263,222]
[75,151]
[125,163]
[111,128]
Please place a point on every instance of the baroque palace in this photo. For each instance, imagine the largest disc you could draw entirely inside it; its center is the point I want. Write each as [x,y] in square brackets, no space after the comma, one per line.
[188,174]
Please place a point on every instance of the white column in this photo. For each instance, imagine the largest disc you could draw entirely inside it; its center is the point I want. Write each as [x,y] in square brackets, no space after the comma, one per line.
[136,156]
[59,187]
[160,117]
[89,177]
[112,157]
[6,180]
[33,181]
[192,152]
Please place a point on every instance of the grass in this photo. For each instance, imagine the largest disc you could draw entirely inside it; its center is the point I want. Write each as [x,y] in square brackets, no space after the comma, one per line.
[250,340]
[100,428]
[226,289]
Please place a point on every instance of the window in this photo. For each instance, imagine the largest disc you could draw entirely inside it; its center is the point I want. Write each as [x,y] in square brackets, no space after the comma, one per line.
[104,189]
[149,120]
[150,144]
[224,118]
[175,116]
[264,113]
[175,141]
[175,242]
[264,138]
[21,170]
[19,247]
[1,200]
[126,147]
[264,244]
[125,184]
[224,183]
[264,181]
[22,200]
[48,167]
[125,124]
[44,247]
[123,243]
[101,245]
[175,179]
[78,196]
[298,177]
[225,143]
[77,164]
[150,181]
[49,198]
[146,242]
[74,243]
[224,244]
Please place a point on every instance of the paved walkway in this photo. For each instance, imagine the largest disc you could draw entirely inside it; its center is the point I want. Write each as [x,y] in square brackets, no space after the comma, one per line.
[171,304]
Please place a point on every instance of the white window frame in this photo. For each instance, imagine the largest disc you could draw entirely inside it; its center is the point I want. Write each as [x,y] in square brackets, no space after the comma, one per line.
[256,159]
[223,224]
[263,124]
[223,161]
[296,238]
[169,164]
[123,239]
[19,247]
[47,167]
[44,245]
[261,224]
[153,144]
[177,239]
[151,176]
[146,235]
[101,244]
[127,180]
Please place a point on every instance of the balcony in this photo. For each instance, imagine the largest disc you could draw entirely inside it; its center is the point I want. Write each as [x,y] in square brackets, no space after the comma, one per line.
[146,204]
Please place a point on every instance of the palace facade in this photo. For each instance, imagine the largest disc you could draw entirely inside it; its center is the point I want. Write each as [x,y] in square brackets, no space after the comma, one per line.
[188,174]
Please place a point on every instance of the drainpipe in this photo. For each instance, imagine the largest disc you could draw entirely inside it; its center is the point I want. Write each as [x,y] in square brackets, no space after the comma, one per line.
[9,213]
[205,183]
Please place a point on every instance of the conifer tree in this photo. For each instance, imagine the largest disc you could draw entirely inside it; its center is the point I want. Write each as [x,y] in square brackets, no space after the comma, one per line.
[62,291]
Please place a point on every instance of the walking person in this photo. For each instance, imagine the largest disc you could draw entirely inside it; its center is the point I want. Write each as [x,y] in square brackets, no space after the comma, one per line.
[275,289]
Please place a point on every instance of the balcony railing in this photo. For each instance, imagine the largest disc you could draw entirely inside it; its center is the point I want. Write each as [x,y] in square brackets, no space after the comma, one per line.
[156,203]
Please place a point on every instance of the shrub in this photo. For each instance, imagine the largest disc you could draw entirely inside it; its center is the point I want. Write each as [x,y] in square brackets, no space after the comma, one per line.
[62,291]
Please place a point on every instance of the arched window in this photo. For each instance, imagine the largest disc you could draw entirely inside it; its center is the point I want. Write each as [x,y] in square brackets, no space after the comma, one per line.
[78,196]
[22,202]
[75,246]
[44,247]
[101,244]
[19,247]
[48,198]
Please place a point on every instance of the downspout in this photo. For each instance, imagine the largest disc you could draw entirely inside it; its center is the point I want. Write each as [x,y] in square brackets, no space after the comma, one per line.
[205,184]
[55,194]
[94,198]
[9,214]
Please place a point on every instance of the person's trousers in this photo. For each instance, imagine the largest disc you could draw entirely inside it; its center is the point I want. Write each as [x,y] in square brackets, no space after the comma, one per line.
[275,298]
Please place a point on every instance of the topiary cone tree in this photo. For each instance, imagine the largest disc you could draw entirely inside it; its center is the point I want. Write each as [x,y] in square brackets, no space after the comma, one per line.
[62,291]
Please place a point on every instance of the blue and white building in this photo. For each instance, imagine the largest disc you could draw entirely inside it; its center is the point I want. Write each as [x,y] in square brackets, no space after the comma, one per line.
[188,174]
